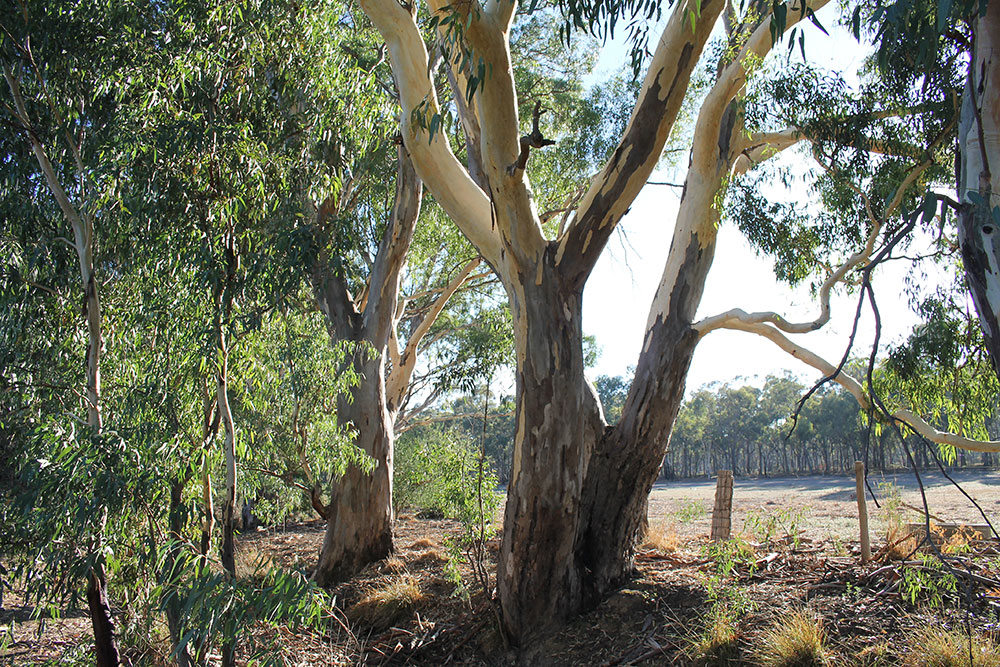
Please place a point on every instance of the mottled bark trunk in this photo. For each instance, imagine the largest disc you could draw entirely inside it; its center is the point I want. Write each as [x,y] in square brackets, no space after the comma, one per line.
[979,178]
[227,552]
[208,510]
[558,423]
[359,516]
[105,635]
[359,526]
[623,467]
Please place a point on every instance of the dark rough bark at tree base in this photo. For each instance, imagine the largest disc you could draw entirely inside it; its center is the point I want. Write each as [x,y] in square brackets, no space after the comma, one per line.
[558,422]
[577,502]
[175,603]
[105,637]
[359,525]
[627,460]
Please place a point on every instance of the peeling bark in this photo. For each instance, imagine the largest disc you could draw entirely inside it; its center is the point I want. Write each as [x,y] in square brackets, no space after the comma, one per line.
[979,174]
[359,516]
[359,523]
[558,421]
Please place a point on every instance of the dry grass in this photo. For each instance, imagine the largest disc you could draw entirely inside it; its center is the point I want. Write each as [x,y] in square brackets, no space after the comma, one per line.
[393,564]
[383,606]
[424,543]
[937,647]
[662,539]
[717,645]
[252,561]
[797,639]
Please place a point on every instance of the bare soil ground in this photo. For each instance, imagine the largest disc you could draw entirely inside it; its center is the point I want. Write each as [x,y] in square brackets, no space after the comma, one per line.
[824,507]
[660,616]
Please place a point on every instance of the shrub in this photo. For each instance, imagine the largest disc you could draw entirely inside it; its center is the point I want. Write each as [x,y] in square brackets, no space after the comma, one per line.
[937,647]
[437,476]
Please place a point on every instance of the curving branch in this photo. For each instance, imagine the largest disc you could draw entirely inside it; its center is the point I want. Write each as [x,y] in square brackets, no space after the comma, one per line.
[439,169]
[398,382]
[902,416]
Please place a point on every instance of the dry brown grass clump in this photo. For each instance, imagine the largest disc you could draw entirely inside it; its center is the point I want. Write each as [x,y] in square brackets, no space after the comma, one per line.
[424,543]
[661,539]
[937,647]
[394,564]
[797,639]
[383,606]
[717,644]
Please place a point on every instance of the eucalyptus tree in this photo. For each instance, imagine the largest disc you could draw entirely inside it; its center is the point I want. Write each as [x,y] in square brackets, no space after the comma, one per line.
[65,78]
[929,37]
[575,482]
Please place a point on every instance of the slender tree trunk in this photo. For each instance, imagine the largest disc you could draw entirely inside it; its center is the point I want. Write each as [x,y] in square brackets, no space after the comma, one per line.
[359,526]
[175,603]
[979,177]
[223,306]
[82,223]
[105,640]
[207,508]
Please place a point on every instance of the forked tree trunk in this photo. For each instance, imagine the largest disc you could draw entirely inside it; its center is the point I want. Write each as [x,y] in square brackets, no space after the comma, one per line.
[359,525]
[359,517]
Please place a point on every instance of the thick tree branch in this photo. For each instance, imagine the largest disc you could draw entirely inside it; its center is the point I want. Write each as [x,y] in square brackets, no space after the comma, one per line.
[399,377]
[436,165]
[380,310]
[616,186]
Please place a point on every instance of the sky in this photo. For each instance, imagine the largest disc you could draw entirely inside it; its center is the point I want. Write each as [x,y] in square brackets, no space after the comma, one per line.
[619,293]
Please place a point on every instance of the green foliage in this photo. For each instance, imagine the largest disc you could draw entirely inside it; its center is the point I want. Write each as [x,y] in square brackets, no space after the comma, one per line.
[76,502]
[728,556]
[690,511]
[927,582]
[612,391]
[942,370]
[217,609]
[436,474]
[291,380]
[783,524]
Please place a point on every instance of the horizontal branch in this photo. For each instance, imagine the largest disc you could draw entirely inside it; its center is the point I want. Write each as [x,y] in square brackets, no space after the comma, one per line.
[902,416]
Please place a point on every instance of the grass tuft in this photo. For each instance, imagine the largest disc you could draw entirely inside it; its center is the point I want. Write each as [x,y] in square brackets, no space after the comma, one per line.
[661,539]
[717,644]
[381,607]
[937,647]
[797,639]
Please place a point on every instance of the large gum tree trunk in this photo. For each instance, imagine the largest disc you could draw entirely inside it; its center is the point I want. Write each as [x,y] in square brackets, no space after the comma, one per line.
[359,519]
[558,423]
[359,526]
[979,174]
[626,462]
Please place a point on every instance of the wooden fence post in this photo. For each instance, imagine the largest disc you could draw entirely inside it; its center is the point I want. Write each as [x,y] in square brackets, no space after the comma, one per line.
[859,480]
[722,514]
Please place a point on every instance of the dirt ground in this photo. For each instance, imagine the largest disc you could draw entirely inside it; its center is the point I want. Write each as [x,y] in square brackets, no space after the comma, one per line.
[659,617]
[824,507]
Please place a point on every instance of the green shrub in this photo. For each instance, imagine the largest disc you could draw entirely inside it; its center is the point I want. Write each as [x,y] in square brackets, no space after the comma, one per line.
[437,475]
